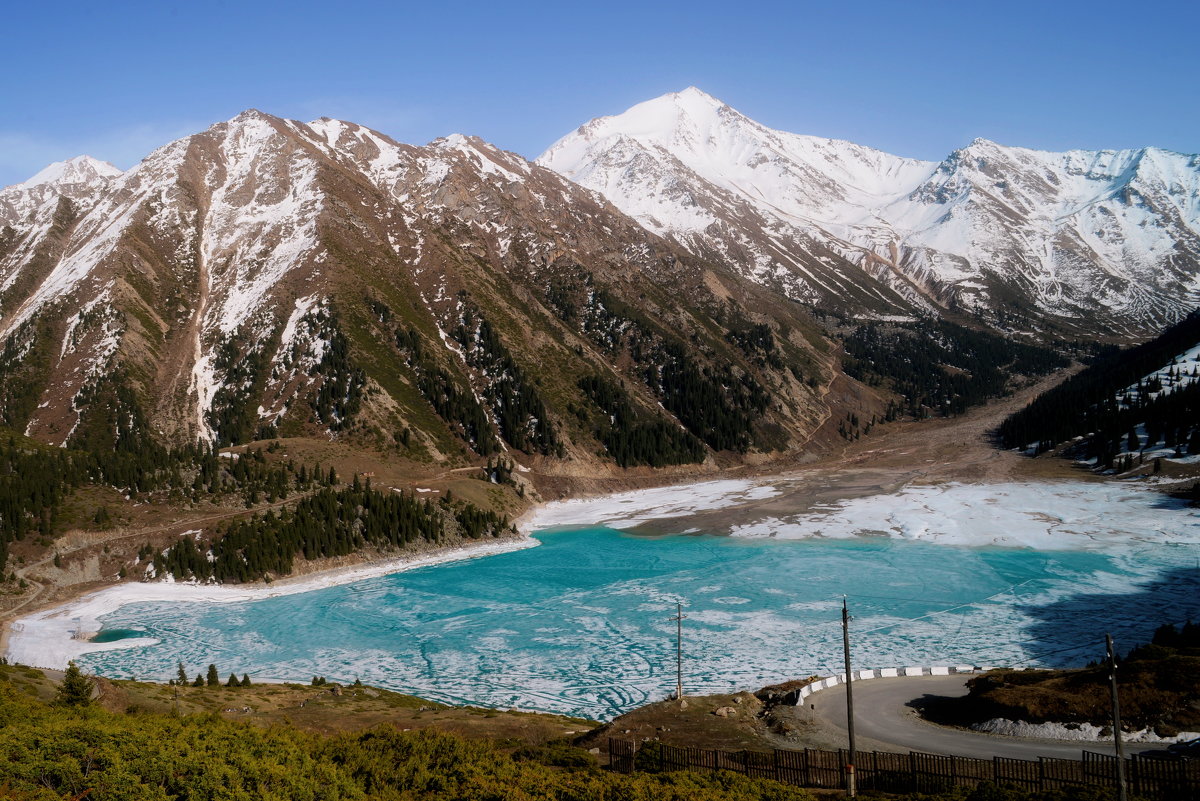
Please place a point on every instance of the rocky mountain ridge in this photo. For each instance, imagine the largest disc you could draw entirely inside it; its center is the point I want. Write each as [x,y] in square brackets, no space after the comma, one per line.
[268,276]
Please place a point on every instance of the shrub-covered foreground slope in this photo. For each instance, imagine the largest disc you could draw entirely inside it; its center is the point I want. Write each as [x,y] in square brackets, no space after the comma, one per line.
[51,750]
[54,752]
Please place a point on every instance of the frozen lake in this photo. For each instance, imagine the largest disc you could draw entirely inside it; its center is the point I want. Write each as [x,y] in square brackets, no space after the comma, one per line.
[1007,574]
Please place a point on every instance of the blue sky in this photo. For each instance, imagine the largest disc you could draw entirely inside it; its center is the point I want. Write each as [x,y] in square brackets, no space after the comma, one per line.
[917,79]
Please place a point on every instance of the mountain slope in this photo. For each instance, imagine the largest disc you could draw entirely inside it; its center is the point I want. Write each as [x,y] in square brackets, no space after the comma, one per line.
[268,276]
[1125,411]
[1079,243]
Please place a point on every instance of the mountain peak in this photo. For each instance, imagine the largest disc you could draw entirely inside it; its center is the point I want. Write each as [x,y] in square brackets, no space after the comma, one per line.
[252,114]
[77,170]
[664,118]
[694,94]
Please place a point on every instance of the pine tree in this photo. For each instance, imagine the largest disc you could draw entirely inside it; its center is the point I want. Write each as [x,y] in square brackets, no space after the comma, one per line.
[245,679]
[199,682]
[233,681]
[214,678]
[76,689]
[181,677]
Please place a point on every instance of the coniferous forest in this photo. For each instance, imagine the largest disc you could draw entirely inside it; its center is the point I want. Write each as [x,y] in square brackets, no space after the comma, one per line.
[111,447]
[716,402]
[35,479]
[1114,409]
[330,522]
[943,369]
[632,441]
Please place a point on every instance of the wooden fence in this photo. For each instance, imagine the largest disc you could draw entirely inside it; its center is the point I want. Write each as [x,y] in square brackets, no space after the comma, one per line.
[1149,778]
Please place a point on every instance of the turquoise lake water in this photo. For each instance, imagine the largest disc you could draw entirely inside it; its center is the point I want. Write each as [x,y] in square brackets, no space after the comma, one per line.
[580,623]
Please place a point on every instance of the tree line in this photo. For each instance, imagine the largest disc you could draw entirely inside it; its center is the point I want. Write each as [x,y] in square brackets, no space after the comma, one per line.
[631,440]
[330,522]
[516,405]
[1094,404]
[940,368]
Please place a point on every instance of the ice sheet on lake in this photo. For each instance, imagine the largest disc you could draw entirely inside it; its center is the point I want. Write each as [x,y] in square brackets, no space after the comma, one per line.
[581,624]
[1046,516]
[626,510]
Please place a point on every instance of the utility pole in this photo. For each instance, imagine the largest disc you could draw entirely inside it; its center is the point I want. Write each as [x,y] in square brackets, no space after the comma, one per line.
[851,789]
[1122,791]
[679,618]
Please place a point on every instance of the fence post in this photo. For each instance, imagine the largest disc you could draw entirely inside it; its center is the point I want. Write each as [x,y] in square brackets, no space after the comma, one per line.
[775,762]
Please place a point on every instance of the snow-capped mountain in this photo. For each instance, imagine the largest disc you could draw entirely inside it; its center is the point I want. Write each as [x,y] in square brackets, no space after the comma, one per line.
[1100,243]
[271,275]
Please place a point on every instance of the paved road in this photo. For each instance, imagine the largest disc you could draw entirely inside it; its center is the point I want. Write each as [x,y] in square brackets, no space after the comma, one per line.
[883,721]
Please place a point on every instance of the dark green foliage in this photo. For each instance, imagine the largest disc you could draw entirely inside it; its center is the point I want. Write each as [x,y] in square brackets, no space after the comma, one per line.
[33,483]
[1088,403]
[111,446]
[477,523]
[940,368]
[24,361]
[327,523]
[246,680]
[758,343]
[233,681]
[499,471]
[340,396]
[113,421]
[559,754]
[717,404]
[1168,641]
[241,364]
[454,404]
[213,679]
[522,417]
[632,441]
[75,690]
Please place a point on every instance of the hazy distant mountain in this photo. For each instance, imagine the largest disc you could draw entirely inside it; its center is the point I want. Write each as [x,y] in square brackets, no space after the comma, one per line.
[1068,244]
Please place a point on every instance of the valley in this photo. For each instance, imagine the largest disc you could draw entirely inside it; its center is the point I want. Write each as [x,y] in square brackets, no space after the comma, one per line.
[307,398]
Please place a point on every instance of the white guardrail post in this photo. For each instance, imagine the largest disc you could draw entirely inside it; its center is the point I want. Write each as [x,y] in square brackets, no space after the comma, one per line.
[884,673]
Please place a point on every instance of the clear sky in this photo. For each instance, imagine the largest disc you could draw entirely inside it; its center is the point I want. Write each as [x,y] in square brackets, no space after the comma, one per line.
[117,79]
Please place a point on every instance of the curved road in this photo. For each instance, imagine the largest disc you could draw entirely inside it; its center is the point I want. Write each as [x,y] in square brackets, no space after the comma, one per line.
[884,721]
